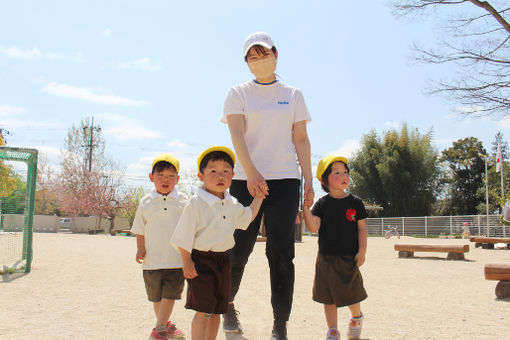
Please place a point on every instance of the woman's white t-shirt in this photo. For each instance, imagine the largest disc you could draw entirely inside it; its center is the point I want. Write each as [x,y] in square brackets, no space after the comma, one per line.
[270,111]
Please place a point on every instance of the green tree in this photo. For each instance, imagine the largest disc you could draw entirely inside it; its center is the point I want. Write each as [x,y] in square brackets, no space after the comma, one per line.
[45,199]
[132,199]
[398,172]
[466,169]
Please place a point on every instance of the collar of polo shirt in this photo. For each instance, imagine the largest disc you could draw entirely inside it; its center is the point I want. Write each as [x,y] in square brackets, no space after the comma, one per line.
[173,193]
[211,199]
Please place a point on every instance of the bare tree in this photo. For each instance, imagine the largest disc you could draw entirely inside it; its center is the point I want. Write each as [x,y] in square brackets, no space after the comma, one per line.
[478,44]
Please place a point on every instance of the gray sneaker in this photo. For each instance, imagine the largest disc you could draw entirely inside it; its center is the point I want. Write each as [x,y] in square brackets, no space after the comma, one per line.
[231,322]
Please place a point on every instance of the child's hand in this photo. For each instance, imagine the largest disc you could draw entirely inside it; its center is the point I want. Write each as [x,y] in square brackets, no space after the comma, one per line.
[298,217]
[140,255]
[308,203]
[188,269]
[360,259]
[260,194]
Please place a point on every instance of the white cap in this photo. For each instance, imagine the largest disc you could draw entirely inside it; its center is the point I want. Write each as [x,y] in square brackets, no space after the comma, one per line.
[257,38]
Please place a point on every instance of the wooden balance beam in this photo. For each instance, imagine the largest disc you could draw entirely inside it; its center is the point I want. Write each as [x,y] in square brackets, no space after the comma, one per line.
[501,273]
[488,242]
[455,252]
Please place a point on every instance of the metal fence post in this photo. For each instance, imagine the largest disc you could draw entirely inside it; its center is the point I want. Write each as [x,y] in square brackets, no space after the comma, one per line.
[403,226]
[426,232]
[451,225]
[479,231]
[382,226]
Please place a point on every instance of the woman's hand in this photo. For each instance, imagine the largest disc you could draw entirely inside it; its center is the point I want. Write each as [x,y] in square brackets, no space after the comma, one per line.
[308,193]
[257,185]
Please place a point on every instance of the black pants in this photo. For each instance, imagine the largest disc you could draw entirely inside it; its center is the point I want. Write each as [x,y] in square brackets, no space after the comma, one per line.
[279,209]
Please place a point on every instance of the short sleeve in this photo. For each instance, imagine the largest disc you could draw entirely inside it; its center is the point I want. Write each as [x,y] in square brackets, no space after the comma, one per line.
[360,210]
[184,234]
[139,222]
[234,105]
[301,111]
[244,215]
[317,208]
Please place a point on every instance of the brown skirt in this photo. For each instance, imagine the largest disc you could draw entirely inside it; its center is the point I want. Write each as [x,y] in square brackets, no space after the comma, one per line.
[337,281]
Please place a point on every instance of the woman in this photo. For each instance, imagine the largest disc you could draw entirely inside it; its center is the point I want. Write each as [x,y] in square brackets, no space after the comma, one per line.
[267,122]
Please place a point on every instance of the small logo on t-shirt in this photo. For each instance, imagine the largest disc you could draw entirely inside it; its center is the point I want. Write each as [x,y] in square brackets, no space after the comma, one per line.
[351,214]
[283,102]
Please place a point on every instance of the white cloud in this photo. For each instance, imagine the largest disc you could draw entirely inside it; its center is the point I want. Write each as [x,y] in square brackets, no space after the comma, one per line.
[392,125]
[136,173]
[35,54]
[106,33]
[177,143]
[6,110]
[53,153]
[142,64]
[463,110]
[88,94]
[124,128]
[444,143]
[505,122]
[350,147]
[23,123]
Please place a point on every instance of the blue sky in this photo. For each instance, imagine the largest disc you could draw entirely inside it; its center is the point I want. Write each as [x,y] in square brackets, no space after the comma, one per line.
[154,74]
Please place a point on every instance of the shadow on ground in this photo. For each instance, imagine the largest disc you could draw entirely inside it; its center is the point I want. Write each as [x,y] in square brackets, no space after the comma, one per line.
[234,336]
[11,277]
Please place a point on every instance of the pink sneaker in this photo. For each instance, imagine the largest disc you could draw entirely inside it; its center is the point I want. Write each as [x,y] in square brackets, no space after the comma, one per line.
[354,330]
[173,332]
[333,334]
[159,333]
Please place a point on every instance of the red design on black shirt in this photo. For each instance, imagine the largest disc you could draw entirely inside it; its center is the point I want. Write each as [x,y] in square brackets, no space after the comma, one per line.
[351,214]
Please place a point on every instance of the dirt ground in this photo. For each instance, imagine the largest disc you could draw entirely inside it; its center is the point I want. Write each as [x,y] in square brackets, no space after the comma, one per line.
[90,287]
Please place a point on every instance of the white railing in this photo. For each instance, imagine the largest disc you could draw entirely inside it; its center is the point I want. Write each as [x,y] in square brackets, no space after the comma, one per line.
[440,225]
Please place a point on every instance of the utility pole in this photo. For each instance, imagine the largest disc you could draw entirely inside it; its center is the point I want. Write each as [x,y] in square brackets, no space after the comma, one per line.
[91,144]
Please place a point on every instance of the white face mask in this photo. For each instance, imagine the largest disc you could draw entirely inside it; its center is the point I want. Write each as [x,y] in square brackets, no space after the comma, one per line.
[263,68]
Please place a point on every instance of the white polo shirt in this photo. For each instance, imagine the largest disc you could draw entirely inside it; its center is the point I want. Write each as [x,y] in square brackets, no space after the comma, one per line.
[155,219]
[208,222]
[270,111]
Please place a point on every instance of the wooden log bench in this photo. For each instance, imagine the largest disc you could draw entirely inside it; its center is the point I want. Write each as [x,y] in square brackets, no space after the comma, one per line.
[488,242]
[499,272]
[455,252]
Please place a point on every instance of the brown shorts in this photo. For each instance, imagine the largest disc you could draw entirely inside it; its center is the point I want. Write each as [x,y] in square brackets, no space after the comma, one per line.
[209,292]
[163,284]
[337,281]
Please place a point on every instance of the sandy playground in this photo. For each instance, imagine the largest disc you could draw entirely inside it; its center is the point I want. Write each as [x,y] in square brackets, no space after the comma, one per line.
[89,287]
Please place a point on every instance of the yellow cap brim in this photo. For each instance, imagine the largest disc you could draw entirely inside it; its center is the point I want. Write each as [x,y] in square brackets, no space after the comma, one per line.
[215,148]
[166,158]
[326,161]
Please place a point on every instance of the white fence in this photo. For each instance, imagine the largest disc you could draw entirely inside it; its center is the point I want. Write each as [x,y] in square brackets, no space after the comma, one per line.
[483,225]
[52,224]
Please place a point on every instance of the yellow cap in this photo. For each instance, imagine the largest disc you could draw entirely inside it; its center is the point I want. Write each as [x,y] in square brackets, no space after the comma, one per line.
[166,158]
[326,161]
[215,148]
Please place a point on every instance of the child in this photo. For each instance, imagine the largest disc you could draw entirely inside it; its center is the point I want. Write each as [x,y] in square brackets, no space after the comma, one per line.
[154,224]
[340,219]
[203,236]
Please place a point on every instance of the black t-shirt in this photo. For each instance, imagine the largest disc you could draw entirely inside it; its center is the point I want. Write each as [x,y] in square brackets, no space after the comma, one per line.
[338,234]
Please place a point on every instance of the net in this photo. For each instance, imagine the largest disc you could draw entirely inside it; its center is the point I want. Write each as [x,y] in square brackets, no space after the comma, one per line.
[18,172]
